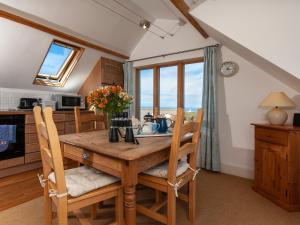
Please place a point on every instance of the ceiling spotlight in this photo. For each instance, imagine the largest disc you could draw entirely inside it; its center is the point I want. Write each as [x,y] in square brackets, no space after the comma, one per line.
[145,24]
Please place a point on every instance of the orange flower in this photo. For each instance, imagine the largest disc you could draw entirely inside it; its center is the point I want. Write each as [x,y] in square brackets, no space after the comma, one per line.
[114,89]
[101,105]
[119,89]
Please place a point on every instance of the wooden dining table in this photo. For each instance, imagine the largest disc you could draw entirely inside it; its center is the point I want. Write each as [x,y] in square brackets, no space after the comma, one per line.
[120,159]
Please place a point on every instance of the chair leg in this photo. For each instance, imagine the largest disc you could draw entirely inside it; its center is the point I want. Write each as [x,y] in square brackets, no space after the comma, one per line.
[62,211]
[171,213]
[119,208]
[158,196]
[192,201]
[94,211]
[48,207]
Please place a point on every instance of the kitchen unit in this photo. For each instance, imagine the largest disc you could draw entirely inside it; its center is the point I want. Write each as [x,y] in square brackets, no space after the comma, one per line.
[26,155]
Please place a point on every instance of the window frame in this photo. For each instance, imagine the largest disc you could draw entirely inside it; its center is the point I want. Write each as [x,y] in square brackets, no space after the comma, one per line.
[65,70]
[156,82]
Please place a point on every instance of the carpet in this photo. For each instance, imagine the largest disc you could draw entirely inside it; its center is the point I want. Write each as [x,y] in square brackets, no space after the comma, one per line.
[221,200]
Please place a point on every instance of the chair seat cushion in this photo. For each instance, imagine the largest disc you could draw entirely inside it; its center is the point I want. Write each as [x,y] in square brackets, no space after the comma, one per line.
[83,179]
[162,169]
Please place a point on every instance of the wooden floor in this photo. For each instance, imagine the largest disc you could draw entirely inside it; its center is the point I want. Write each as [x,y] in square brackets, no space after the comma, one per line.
[20,188]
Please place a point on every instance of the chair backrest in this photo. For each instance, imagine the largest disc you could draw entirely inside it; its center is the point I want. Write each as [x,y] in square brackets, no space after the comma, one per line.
[50,147]
[189,149]
[88,121]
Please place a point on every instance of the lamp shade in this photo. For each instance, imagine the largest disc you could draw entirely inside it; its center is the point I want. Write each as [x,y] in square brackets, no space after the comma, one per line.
[277,99]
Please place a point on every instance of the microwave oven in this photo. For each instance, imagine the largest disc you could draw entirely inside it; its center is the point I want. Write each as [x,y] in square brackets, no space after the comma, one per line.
[69,101]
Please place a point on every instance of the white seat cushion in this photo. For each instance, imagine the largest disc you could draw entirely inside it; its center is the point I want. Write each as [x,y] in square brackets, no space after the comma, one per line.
[83,179]
[162,169]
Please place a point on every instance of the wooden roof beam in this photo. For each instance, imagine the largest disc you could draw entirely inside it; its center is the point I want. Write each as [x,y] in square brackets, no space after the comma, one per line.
[57,33]
[184,9]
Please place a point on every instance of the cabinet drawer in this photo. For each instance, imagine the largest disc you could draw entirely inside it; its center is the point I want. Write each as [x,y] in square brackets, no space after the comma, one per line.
[69,117]
[29,148]
[60,117]
[32,157]
[31,138]
[70,127]
[29,119]
[11,162]
[271,136]
[31,129]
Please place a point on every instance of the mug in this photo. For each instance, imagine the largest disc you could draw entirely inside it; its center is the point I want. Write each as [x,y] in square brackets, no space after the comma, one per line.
[150,128]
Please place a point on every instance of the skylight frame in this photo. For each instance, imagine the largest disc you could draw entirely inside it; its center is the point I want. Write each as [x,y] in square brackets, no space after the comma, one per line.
[62,76]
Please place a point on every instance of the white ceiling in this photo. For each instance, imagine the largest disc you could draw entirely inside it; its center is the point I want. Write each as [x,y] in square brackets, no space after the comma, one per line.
[20,58]
[89,19]
[97,23]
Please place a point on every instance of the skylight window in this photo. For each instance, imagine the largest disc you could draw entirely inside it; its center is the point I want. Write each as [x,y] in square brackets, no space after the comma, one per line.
[58,64]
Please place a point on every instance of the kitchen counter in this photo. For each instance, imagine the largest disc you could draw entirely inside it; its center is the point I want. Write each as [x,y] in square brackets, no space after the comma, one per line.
[29,112]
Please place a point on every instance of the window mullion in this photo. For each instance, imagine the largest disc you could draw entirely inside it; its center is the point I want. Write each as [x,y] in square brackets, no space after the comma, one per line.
[156,90]
[180,85]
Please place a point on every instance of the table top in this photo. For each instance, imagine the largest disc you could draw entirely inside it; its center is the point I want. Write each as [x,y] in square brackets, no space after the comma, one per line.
[97,141]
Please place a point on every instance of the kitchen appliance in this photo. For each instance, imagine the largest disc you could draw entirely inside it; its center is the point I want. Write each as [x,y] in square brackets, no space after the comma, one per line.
[28,103]
[13,148]
[49,103]
[65,102]
[296,119]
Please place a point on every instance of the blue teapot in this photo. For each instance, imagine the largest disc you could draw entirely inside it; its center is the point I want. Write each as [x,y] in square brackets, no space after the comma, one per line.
[164,124]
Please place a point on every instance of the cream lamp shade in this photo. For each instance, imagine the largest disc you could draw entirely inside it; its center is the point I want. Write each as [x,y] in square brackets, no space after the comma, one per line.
[277,116]
[277,99]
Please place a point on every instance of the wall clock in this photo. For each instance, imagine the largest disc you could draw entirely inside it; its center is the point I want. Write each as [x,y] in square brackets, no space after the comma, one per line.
[229,68]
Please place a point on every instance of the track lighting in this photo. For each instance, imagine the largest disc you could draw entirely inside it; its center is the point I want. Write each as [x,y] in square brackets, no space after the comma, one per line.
[145,24]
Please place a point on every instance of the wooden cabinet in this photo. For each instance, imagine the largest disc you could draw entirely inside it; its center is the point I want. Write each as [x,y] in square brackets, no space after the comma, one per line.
[65,124]
[111,72]
[277,156]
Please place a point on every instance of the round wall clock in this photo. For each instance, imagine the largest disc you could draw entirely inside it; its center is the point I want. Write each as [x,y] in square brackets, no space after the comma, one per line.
[229,69]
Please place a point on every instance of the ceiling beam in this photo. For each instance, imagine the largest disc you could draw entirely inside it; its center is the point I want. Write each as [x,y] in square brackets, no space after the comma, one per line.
[184,9]
[41,27]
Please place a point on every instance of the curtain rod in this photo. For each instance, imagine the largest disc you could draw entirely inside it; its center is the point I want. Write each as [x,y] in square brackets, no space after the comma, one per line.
[173,53]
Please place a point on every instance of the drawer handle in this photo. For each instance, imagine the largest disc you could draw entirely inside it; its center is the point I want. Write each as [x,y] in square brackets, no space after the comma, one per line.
[85,156]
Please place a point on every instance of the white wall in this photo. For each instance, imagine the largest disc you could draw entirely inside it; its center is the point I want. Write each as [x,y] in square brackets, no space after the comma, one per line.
[186,38]
[238,96]
[10,97]
[270,28]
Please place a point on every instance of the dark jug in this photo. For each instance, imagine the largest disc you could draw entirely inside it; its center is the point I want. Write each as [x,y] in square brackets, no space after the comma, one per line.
[163,124]
[129,136]
[113,134]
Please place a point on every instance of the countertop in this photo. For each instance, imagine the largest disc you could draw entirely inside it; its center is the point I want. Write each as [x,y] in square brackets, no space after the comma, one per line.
[286,127]
[29,112]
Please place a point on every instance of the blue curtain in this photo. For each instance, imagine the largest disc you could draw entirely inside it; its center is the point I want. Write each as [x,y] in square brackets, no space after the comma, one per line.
[209,148]
[129,84]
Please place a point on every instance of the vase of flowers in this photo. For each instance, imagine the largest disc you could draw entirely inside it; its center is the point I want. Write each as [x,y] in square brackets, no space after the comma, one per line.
[109,99]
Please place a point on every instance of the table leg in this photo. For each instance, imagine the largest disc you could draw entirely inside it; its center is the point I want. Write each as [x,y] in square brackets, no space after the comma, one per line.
[130,205]
[129,181]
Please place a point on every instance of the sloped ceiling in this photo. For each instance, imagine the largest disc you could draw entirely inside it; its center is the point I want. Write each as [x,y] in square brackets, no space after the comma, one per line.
[22,52]
[89,19]
[268,28]
[23,48]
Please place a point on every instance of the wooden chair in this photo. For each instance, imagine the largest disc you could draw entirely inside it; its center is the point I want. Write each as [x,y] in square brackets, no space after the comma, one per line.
[88,122]
[54,179]
[171,176]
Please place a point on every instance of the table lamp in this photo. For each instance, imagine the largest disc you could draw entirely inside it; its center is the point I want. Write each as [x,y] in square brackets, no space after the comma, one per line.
[276,115]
